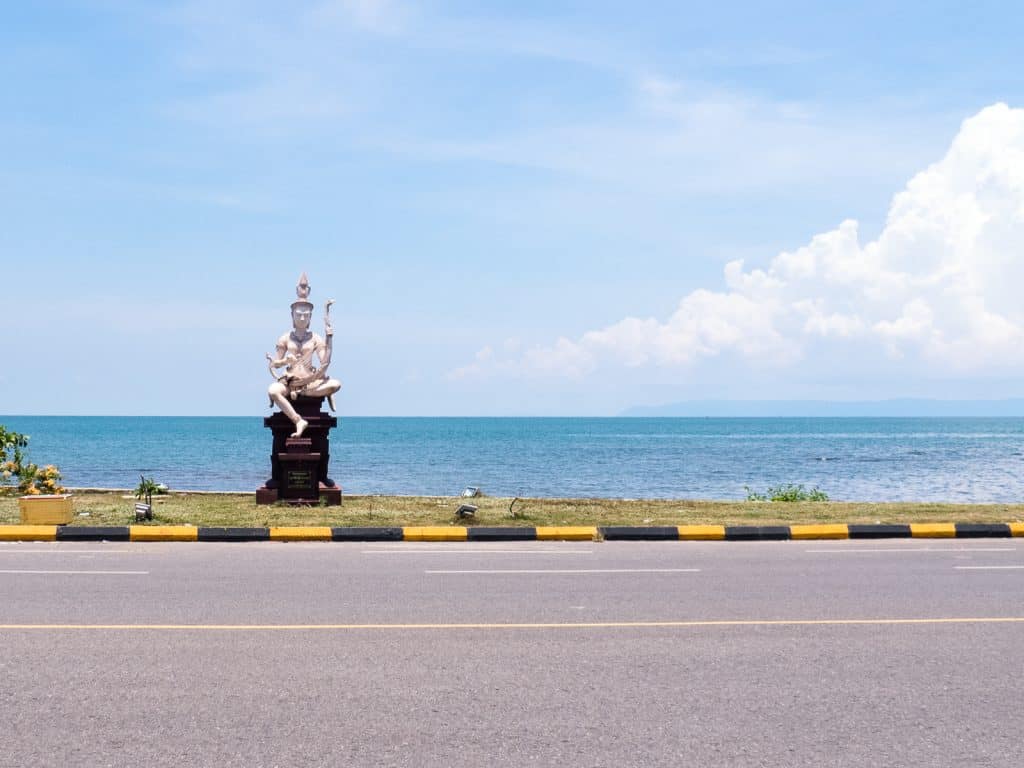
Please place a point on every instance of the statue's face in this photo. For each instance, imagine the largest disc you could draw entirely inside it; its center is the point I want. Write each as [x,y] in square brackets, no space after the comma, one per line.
[301,317]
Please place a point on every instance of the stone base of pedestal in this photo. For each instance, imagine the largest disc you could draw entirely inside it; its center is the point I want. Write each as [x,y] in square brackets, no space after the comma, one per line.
[329,496]
[266,495]
[332,496]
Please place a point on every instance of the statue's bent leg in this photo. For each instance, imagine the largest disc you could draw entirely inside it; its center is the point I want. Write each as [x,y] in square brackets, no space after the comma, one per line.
[278,393]
[325,388]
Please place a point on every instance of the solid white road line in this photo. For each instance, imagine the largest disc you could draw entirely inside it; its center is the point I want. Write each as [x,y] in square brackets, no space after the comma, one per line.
[82,573]
[578,570]
[989,567]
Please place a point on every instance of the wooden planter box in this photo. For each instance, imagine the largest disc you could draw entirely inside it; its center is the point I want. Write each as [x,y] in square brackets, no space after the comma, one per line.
[45,510]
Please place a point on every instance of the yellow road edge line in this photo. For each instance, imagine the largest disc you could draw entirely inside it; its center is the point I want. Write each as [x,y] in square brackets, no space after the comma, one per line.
[163,533]
[933,530]
[527,625]
[701,532]
[28,532]
[434,533]
[819,531]
[566,532]
[300,533]
[448,533]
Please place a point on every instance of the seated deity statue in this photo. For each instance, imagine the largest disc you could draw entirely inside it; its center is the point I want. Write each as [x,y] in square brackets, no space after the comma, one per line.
[295,353]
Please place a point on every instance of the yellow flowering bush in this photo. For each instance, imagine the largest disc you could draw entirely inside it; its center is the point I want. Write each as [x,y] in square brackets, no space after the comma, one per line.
[31,479]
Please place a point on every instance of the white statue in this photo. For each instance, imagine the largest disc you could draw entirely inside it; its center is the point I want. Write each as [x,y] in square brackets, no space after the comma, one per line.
[295,351]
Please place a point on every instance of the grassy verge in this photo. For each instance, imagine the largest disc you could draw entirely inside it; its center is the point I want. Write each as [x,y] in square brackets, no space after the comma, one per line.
[241,510]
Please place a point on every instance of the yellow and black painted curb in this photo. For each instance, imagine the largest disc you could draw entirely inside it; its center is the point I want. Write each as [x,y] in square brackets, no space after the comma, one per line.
[540,533]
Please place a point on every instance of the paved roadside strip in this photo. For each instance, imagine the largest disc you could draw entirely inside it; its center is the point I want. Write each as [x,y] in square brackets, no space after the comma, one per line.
[499,534]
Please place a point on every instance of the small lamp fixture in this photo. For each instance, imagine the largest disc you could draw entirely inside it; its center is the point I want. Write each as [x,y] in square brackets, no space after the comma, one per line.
[466,510]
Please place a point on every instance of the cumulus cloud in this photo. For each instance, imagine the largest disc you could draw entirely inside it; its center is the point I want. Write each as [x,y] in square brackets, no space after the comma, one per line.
[940,286]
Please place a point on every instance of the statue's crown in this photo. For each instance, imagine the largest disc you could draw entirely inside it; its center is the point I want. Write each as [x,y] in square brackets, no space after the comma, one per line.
[302,291]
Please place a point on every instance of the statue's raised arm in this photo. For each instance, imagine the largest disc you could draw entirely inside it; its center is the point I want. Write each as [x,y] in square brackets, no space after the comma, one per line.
[295,353]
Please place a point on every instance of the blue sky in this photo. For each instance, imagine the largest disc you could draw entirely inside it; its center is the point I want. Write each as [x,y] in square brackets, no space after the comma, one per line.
[521,208]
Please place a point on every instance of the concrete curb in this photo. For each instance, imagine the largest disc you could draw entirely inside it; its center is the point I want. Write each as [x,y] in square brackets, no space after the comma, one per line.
[540,533]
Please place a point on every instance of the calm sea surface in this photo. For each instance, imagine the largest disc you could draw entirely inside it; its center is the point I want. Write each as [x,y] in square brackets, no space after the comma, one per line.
[939,459]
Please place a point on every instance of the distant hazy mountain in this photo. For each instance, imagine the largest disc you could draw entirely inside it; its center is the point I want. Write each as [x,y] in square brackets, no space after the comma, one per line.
[902,407]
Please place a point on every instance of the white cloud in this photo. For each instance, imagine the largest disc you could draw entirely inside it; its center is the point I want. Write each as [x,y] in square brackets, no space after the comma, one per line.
[346,71]
[280,69]
[939,287]
[667,137]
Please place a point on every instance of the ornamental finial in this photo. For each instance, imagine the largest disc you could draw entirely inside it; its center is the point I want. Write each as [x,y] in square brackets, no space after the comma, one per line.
[302,291]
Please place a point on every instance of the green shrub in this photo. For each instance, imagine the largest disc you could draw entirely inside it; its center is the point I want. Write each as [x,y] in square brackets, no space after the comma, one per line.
[787,492]
[148,486]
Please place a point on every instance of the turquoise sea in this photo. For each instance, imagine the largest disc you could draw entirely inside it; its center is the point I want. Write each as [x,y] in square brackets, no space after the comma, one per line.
[864,459]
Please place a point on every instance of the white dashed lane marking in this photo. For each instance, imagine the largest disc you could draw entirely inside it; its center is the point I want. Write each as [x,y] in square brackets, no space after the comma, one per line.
[68,551]
[77,573]
[572,571]
[989,567]
[887,550]
[481,551]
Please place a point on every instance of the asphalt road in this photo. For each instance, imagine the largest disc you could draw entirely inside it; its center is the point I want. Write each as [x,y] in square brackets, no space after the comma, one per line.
[793,653]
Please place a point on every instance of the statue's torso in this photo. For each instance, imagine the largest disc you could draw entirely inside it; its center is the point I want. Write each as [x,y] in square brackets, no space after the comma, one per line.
[304,350]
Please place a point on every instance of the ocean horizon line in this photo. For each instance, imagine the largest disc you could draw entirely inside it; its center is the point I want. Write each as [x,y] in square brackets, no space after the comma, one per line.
[726,417]
[901,407]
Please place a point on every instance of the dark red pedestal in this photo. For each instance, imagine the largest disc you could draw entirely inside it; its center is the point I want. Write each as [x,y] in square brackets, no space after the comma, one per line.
[298,466]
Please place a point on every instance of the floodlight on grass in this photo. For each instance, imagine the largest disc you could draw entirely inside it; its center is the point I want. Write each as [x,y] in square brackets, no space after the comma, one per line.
[466,510]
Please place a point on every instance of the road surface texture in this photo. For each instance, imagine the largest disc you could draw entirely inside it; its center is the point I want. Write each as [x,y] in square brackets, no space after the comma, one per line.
[818,653]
